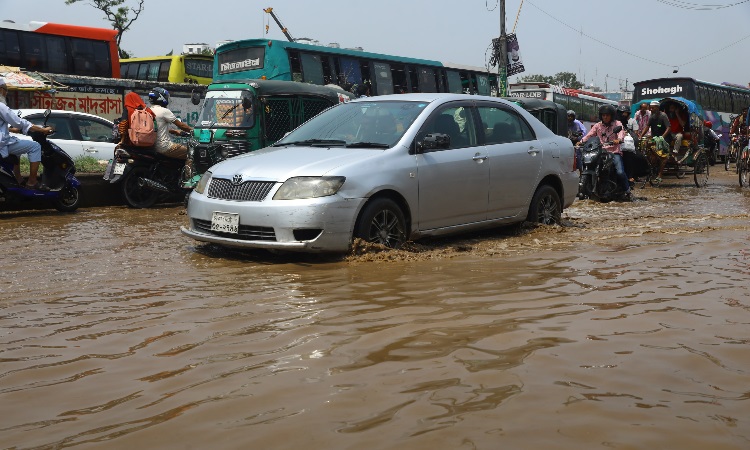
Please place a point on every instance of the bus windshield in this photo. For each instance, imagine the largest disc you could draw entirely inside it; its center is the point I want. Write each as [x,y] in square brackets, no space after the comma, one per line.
[224,109]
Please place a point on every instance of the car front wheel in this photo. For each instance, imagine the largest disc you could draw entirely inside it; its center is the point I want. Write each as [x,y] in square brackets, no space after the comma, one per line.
[382,222]
[546,207]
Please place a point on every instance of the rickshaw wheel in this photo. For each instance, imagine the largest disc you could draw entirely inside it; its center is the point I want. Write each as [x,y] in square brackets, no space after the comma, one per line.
[700,170]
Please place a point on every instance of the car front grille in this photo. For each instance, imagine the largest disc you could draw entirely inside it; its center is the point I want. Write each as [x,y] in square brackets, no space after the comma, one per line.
[249,191]
[245,233]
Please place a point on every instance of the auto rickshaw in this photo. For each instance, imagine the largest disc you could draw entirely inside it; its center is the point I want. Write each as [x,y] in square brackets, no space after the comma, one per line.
[691,156]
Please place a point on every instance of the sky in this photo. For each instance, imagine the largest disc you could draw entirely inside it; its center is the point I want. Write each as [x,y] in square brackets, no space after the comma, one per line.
[605,43]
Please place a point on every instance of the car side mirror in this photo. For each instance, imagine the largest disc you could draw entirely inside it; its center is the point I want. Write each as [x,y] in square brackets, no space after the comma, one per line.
[434,141]
[195,98]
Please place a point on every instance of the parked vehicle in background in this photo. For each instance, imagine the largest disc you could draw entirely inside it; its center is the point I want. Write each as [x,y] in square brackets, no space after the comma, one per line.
[196,69]
[78,134]
[585,104]
[245,115]
[718,102]
[59,48]
[388,169]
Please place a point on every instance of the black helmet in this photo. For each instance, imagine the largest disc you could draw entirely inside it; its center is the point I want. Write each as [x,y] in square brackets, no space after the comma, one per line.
[159,96]
[622,109]
[607,109]
[572,113]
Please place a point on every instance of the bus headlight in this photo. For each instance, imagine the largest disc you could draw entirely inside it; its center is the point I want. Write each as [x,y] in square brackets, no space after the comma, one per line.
[309,187]
[201,186]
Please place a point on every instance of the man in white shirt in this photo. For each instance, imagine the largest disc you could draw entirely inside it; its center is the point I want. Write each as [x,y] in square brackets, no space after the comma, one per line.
[159,99]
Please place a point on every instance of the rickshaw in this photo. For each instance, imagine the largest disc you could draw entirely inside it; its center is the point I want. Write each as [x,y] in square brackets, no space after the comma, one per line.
[691,157]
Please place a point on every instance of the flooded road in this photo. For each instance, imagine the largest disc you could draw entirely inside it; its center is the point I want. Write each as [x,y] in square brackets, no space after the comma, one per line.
[627,328]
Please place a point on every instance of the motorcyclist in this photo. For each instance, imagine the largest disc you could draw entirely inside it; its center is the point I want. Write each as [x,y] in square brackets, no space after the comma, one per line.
[611,140]
[576,130]
[159,99]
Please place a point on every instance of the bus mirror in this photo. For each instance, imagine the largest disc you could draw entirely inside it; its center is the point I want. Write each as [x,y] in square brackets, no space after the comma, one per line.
[246,103]
[195,98]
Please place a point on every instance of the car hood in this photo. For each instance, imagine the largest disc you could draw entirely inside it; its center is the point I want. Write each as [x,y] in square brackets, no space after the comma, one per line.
[279,164]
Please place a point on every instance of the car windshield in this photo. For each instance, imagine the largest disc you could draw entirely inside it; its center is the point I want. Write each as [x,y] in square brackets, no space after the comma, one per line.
[374,124]
[224,109]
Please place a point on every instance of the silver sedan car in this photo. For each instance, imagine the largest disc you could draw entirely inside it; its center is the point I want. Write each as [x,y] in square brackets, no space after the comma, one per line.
[388,169]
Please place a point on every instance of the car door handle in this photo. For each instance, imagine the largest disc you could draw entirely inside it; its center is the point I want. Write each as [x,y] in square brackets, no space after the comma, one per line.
[91,150]
[533,151]
[479,157]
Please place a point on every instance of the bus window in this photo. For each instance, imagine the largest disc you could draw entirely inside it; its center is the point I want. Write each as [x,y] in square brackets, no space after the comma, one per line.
[350,71]
[427,81]
[83,57]
[414,79]
[483,85]
[101,59]
[399,79]
[383,78]
[454,82]
[312,68]
[142,72]
[329,71]
[10,49]
[295,65]
[57,56]
[199,68]
[164,70]
[33,50]
[589,111]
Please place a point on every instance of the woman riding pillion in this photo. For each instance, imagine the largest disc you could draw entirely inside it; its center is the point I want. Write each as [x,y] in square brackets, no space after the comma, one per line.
[611,140]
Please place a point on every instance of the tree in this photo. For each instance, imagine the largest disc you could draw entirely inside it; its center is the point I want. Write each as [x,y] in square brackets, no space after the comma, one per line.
[117,16]
[567,79]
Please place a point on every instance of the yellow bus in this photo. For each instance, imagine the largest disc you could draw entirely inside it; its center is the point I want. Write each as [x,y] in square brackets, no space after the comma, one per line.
[196,69]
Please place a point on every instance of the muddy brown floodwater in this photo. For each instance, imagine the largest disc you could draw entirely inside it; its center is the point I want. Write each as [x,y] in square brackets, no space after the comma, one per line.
[627,328]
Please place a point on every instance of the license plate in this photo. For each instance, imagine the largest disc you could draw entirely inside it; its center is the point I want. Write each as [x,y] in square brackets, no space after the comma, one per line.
[119,169]
[225,222]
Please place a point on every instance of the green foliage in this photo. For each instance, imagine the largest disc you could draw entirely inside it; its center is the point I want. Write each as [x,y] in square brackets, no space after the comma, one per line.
[566,79]
[117,15]
[84,164]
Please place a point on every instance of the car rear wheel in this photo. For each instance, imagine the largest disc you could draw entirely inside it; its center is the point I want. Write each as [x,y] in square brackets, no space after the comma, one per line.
[382,222]
[546,207]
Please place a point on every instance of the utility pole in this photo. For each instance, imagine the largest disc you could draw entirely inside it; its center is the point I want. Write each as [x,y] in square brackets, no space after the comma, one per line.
[503,63]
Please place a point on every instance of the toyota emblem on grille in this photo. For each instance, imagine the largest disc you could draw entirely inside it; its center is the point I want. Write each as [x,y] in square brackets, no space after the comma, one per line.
[237,179]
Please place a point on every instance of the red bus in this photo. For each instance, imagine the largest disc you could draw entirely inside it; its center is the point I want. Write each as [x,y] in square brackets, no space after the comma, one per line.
[58,48]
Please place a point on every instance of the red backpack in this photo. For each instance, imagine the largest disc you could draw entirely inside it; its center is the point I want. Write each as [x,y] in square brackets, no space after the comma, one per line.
[142,132]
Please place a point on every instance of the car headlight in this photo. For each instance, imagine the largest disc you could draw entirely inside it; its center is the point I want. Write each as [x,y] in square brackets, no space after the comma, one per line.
[309,187]
[201,186]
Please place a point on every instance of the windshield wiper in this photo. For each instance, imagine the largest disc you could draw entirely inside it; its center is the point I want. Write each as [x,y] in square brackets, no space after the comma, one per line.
[312,142]
[368,145]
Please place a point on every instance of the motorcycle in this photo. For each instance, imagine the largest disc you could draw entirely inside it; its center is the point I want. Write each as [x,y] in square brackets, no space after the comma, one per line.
[62,188]
[145,176]
[598,179]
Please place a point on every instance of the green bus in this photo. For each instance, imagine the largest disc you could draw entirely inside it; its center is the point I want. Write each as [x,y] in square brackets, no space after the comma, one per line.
[315,64]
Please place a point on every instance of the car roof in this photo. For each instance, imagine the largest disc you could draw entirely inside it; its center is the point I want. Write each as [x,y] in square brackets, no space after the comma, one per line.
[27,112]
[433,97]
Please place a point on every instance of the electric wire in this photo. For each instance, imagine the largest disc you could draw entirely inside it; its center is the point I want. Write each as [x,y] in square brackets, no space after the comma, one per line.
[638,56]
[697,6]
